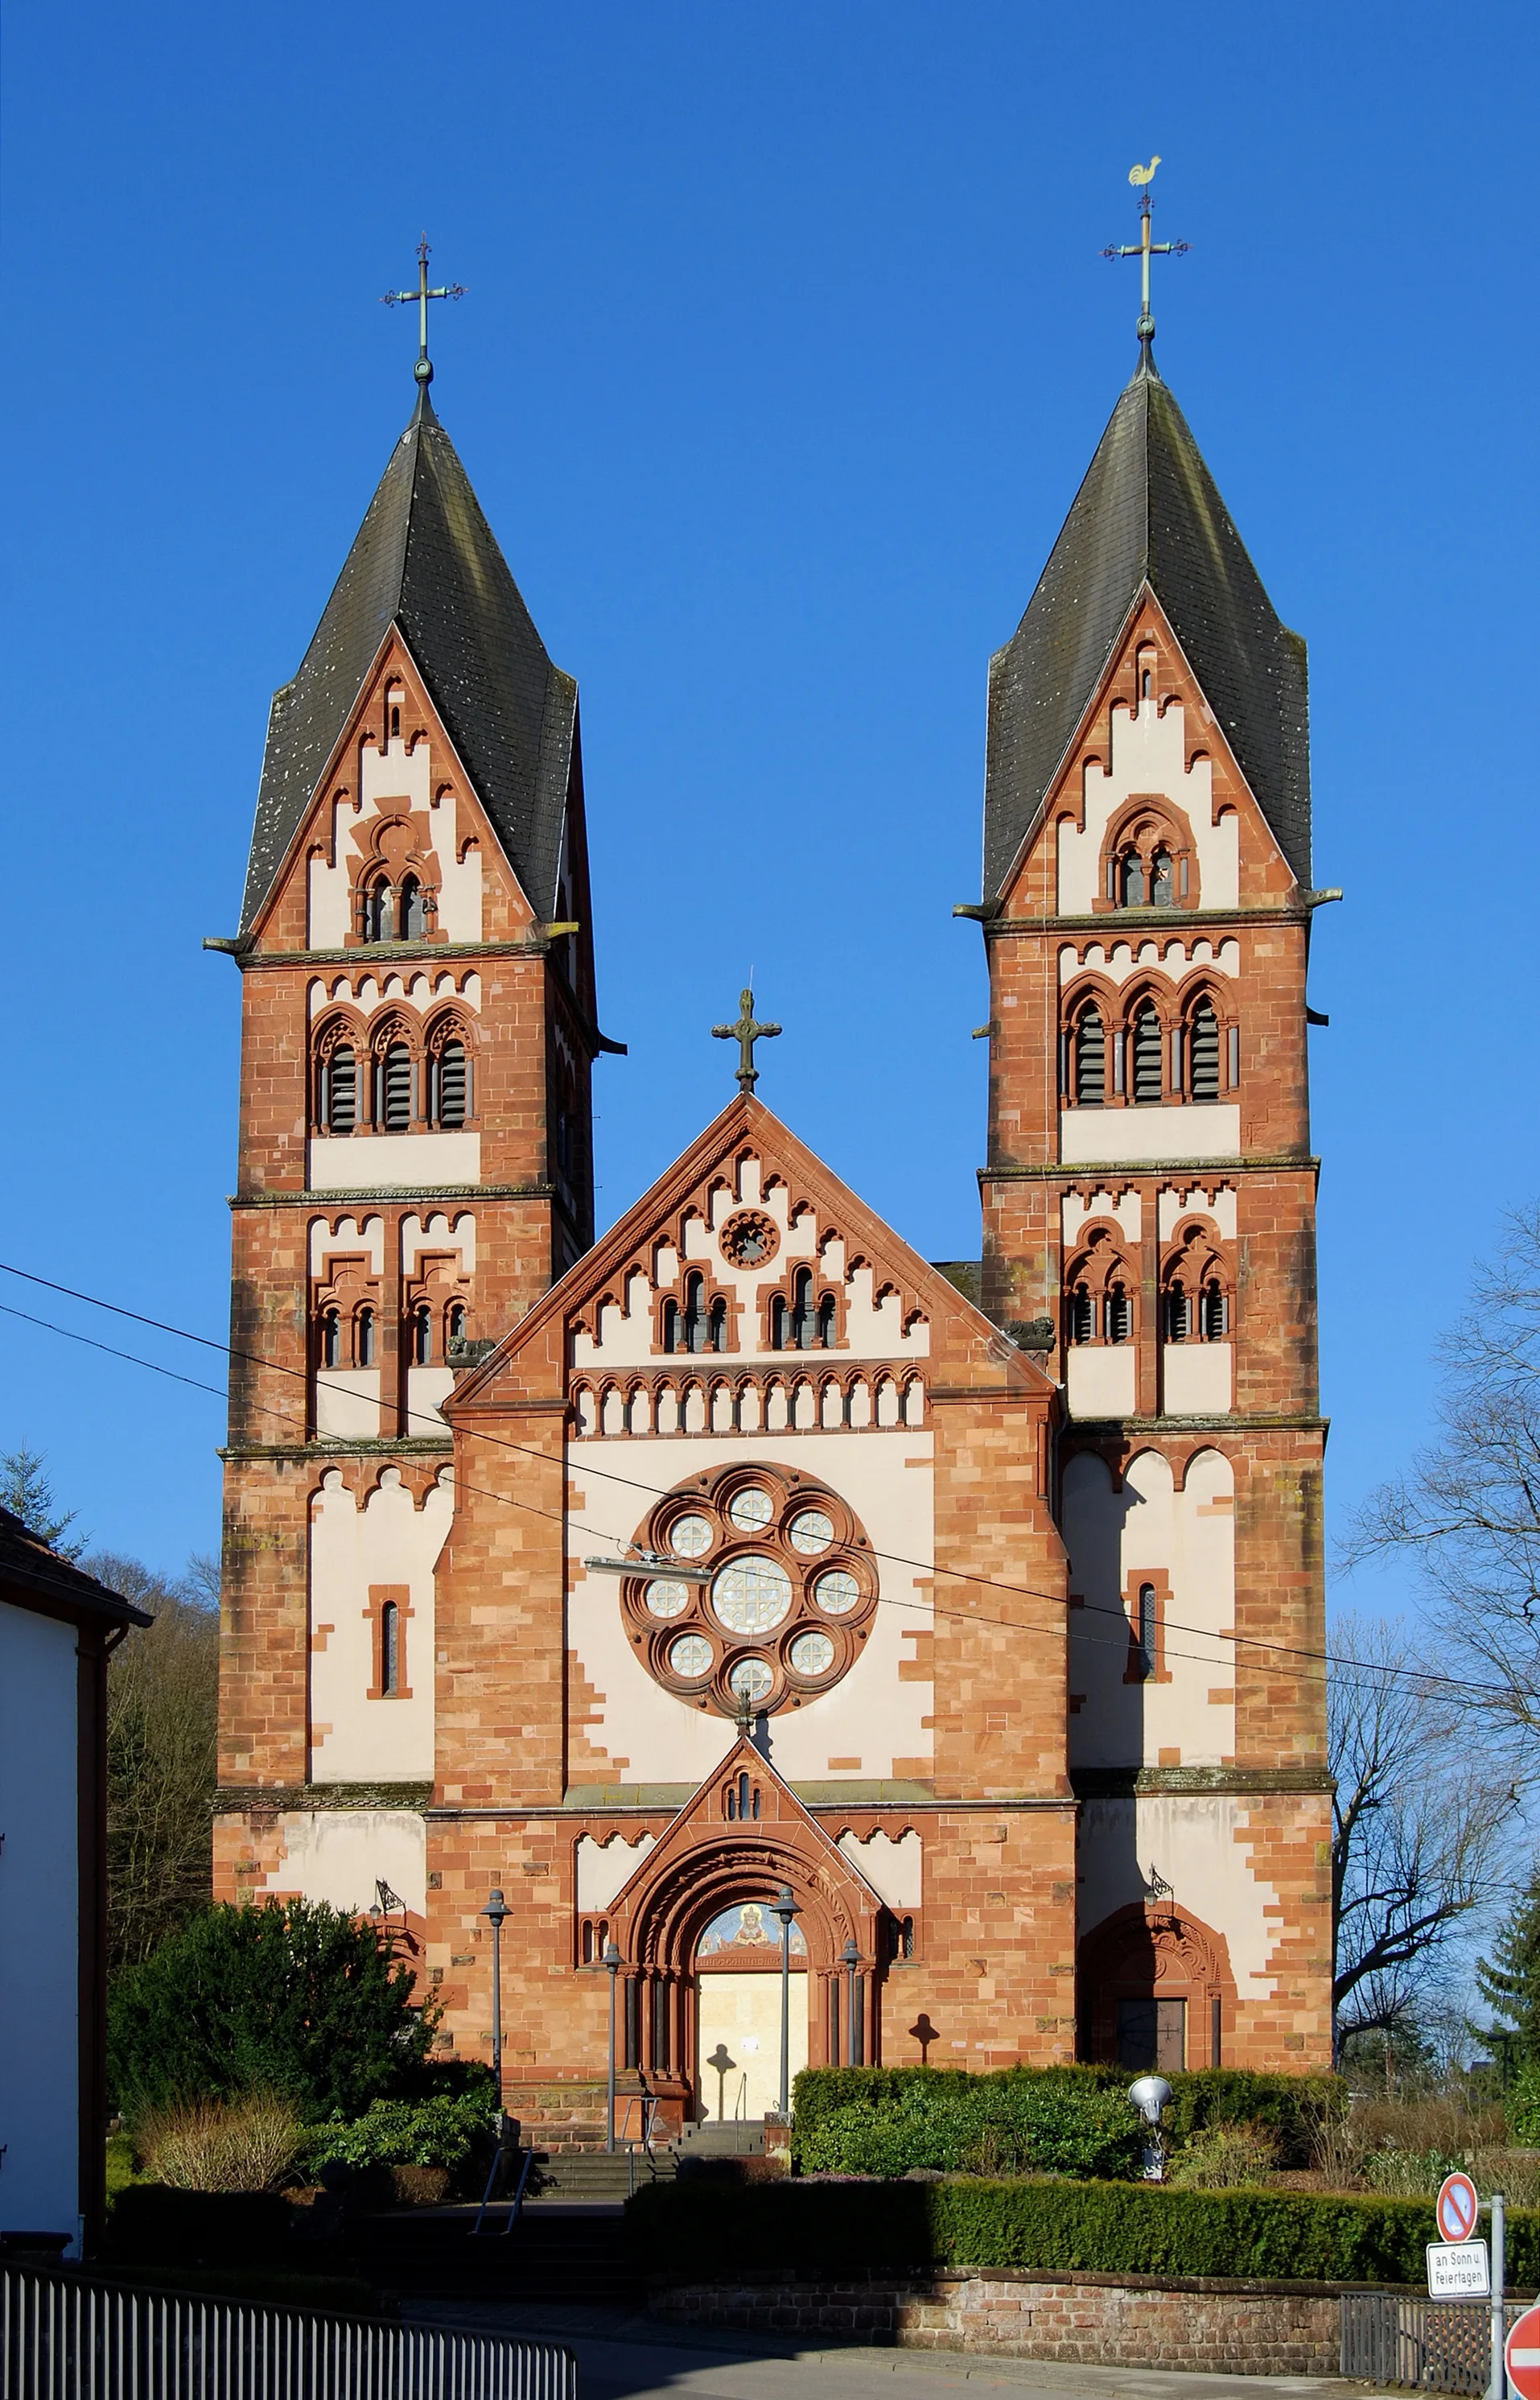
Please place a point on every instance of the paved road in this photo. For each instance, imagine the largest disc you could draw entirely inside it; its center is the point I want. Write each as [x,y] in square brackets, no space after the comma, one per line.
[627,2357]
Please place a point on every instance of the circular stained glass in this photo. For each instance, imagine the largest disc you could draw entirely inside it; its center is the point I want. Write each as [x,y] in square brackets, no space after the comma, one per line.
[751,1594]
[837,1592]
[751,1679]
[751,1510]
[668,1599]
[688,1536]
[690,1656]
[811,1533]
[812,1654]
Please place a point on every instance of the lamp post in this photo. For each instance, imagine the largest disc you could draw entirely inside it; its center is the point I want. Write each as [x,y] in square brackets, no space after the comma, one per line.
[785,1907]
[496,1911]
[851,1961]
[612,1960]
[1150,2094]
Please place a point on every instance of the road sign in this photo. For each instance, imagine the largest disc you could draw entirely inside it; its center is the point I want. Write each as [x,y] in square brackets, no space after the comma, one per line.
[1523,2352]
[1457,2208]
[1458,2270]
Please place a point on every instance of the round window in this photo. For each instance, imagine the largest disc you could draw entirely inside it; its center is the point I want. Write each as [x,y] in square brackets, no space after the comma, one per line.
[668,1599]
[688,1536]
[751,1679]
[811,1533]
[812,1654]
[751,1594]
[691,1656]
[751,1510]
[837,1592]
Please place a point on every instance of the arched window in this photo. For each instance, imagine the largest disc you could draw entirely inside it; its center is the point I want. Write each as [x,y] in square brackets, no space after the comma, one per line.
[695,1314]
[1131,881]
[395,725]
[1090,1058]
[1213,1312]
[670,1326]
[422,1335]
[718,1325]
[390,1649]
[1081,1315]
[379,922]
[778,1323]
[1148,1083]
[393,1099]
[1204,1049]
[339,1090]
[451,1087]
[363,1337]
[1179,1315]
[456,1320]
[804,1316]
[1118,1318]
[1162,891]
[413,909]
[828,1322]
[331,1338]
[1147,1630]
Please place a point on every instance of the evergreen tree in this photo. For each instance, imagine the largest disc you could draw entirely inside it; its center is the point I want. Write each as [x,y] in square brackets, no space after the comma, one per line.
[1510,1980]
[27,1492]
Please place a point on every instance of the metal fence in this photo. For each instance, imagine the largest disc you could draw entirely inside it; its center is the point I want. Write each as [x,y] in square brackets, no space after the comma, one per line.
[70,2337]
[1428,2345]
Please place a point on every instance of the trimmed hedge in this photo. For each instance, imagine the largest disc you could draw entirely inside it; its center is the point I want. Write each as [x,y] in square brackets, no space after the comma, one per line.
[1210,2096]
[982,2128]
[823,2229]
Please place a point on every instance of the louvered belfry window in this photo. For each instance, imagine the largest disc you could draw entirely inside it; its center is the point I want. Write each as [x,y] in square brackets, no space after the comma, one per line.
[1081,1315]
[1204,1067]
[1118,1317]
[395,1092]
[1179,1315]
[1090,1058]
[363,1337]
[1214,1311]
[1147,1056]
[453,1086]
[339,1097]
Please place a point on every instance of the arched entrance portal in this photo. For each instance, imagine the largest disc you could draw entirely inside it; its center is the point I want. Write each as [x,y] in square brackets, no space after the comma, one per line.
[686,1937]
[738,2005]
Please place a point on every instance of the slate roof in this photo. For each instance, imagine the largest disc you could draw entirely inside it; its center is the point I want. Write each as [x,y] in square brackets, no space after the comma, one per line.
[30,1570]
[1148,512]
[425,559]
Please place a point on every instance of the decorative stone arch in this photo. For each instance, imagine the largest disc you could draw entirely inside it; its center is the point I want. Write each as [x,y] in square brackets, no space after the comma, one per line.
[1150,1951]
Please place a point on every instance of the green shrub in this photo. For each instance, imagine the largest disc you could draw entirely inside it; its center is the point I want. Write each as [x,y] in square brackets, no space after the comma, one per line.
[290,1996]
[243,2145]
[821,2230]
[983,2124]
[1224,2158]
[1523,2109]
[437,2133]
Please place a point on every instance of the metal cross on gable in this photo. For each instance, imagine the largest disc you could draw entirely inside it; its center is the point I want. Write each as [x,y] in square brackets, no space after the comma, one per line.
[746,1032]
[424,293]
[1144,249]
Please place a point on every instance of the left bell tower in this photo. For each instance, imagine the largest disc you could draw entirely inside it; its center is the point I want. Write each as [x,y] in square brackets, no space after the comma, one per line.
[418,1037]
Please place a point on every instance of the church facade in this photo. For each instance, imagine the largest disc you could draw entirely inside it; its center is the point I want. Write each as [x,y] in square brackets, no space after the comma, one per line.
[741,1552]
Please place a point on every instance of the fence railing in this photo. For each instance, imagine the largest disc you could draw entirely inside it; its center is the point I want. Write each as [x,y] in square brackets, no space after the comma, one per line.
[67,2336]
[1428,2345]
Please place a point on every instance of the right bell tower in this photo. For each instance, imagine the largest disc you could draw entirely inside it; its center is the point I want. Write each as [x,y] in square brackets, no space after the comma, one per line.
[1148,1217]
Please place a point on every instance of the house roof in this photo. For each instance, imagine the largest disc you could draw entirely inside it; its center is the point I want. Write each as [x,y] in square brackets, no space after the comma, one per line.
[33,1576]
[426,562]
[1149,514]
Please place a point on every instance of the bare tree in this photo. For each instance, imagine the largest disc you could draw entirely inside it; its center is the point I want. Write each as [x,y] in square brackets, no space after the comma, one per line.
[162,1699]
[1416,1839]
[1468,1511]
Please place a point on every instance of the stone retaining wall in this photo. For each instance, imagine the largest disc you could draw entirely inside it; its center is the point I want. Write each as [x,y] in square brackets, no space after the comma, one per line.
[1196,2323]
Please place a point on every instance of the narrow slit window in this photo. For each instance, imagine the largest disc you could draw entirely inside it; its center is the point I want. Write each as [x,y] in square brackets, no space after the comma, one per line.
[331,1338]
[1090,1058]
[1149,1630]
[804,1316]
[695,1315]
[390,1649]
[1179,1315]
[1147,1057]
[1205,1052]
[1234,1057]
[778,1323]
[339,1099]
[453,1083]
[1214,1311]
[671,1326]
[422,1335]
[1118,1314]
[457,1321]
[1082,1313]
[395,725]
[718,1328]
[395,1095]
[827,1314]
[363,1337]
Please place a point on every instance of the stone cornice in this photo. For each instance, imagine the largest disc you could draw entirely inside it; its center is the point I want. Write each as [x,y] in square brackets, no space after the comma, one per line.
[1134,1782]
[1195,1170]
[1159,920]
[287,1799]
[399,1195]
[418,1445]
[1284,1421]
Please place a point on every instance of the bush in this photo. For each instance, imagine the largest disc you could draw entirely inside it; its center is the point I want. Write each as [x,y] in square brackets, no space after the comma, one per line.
[985,2125]
[1523,2109]
[221,2146]
[1408,2173]
[1222,2157]
[826,2229]
[446,2132]
[1290,2108]
[291,1996]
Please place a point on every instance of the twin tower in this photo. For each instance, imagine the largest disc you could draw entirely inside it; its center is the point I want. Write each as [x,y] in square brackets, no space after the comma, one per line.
[745,1548]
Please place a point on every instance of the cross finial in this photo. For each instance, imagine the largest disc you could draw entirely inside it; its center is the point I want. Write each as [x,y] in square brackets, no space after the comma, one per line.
[424,293]
[746,1033]
[1144,249]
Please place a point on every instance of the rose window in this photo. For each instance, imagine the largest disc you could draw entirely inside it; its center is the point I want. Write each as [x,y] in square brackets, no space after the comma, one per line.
[780,1598]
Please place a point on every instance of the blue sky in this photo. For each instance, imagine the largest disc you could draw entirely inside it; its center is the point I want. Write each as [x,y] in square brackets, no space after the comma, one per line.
[786,344]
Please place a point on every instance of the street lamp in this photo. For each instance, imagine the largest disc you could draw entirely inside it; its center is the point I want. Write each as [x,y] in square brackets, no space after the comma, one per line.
[851,1961]
[1150,2094]
[496,1911]
[612,1960]
[785,1907]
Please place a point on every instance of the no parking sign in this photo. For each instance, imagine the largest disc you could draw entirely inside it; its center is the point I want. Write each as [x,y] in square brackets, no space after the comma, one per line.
[1457,2208]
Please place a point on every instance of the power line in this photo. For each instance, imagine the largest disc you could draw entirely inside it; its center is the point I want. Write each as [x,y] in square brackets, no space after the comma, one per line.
[1460,1684]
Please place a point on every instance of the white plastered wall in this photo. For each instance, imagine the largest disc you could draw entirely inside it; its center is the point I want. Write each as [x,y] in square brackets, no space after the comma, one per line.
[1179,1134]
[1198,1844]
[893,1868]
[1100,1379]
[1150,1529]
[389,1541]
[888,1479]
[605,1868]
[339,1855]
[1171,956]
[1148,748]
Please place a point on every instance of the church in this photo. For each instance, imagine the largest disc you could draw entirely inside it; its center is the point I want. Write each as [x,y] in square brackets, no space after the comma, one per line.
[738,1591]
